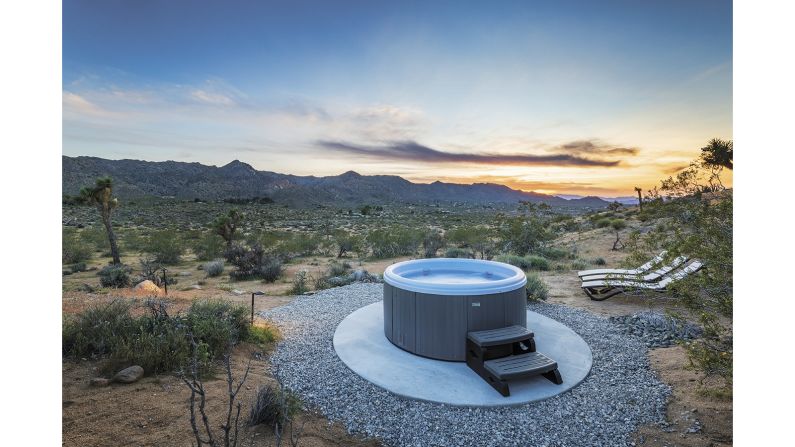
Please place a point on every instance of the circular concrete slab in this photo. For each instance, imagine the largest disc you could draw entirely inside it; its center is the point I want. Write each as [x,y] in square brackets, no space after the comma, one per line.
[361,344]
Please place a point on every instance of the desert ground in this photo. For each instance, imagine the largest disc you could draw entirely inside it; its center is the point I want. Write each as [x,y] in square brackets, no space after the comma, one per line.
[154,410]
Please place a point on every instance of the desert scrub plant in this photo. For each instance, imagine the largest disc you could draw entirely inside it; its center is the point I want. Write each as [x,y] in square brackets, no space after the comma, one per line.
[529,262]
[536,288]
[393,241]
[579,264]
[455,252]
[271,269]
[115,275]
[208,246]
[432,242]
[603,222]
[252,262]
[166,246]
[338,268]
[264,335]
[598,261]
[301,282]
[73,251]
[214,268]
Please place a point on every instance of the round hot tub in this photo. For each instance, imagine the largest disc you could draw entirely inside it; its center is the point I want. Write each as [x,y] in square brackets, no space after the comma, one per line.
[431,304]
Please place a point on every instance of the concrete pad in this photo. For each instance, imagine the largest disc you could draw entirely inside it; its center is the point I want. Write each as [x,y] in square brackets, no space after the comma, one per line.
[360,343]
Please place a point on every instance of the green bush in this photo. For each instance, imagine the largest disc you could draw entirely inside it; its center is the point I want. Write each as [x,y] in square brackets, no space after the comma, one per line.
[603,222]
[73,251]
[115,276]
[214,268]
[394,241]
[529,262]
[338,268]
[263,335]
[208,247]
[252,262]
[455,252]
[166,246]
[271,269]
[156,341]
[95,237]
[536,288]
[579,264]
[300,283]
[598,261]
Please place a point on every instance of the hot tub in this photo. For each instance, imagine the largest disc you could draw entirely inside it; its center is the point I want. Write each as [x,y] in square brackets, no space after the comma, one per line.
[431,304]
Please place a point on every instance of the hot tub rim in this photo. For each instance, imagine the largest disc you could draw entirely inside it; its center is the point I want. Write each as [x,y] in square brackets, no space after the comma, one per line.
[511,283]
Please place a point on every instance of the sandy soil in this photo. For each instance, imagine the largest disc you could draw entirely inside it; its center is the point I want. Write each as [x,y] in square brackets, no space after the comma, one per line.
[688,404]
[154,410]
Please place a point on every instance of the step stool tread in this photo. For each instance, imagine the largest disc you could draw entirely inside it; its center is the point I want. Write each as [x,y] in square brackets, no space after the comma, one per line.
[505,335]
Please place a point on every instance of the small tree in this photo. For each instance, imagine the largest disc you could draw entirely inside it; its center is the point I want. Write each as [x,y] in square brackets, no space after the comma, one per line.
[225,226]
[101,195]
[718,153]
[617,225]
[614,206]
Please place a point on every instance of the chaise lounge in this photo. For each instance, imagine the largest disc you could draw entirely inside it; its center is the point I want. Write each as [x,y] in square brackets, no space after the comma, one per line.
[600,290]
[638,271]
[649,277]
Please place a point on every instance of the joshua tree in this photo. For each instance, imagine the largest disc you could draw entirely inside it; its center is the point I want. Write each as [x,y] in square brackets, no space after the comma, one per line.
[225,226]
[640,198]
[615,206]
[101,195]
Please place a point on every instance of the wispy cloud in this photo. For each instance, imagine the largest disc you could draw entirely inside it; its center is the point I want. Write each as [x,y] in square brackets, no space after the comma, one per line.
[594,147]
[413,151]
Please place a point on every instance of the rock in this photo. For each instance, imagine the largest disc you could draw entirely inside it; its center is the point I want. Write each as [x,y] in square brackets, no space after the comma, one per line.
[99,381]
[184,273]
[86,288]
[360,275]
[129,375]
[238,292]
[196,287]
[147,287]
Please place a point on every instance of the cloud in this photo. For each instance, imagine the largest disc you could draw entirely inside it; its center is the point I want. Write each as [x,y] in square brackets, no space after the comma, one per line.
[593,147]
[212,98]
[413,151]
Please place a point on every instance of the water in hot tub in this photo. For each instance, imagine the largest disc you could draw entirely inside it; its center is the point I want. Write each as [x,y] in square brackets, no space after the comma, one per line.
[451,276]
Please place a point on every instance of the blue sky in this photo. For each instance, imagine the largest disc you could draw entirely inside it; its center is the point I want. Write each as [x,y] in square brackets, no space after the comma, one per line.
[569,97]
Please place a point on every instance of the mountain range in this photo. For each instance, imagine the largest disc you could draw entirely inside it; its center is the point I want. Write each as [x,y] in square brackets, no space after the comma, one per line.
[137,179]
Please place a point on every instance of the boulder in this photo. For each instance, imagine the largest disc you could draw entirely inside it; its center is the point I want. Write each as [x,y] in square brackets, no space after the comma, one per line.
[129,375]
[147,287]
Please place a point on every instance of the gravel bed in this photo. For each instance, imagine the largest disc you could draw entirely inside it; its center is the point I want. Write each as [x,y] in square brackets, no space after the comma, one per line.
[619,394]
[657,330]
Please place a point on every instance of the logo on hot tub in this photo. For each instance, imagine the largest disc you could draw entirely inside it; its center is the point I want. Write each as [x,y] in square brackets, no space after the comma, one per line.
[475,304]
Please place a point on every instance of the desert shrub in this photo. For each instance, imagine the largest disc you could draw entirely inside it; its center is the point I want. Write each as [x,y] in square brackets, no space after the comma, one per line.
[598,261]
[432,242]
[603,222]
[78,267]
[301,282]
[73,251]
[157,341]
[478,239]
[115,275]
[132,241]
[523,235]
[208,247]
[392,242]
[95,237]
[302,244]
[272,406]
[166,246]
[93,332]
[217,324]
[338,268]
[455,252]
[346,243]
[579,264]
[214,268]
[514,260]
[536,288]
[252,262]
[536,263]
[263,335]
[271,269]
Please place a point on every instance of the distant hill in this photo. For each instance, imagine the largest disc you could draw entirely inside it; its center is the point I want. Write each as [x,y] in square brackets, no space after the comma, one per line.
[137,179]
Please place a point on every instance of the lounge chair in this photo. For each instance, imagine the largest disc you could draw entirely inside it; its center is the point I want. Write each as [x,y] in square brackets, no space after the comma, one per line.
[649,277]
[601,290]
[638,271]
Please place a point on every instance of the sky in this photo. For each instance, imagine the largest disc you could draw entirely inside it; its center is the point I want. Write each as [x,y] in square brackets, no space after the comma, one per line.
[565,97]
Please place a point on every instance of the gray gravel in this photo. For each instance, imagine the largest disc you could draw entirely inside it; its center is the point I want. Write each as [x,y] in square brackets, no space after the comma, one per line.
[619,394]
[657,330]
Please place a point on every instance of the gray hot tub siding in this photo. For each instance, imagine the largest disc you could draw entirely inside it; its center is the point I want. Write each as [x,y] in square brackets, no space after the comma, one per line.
[436,326]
